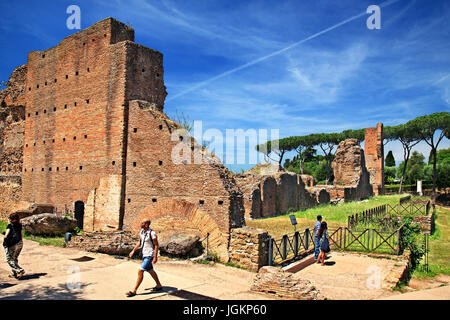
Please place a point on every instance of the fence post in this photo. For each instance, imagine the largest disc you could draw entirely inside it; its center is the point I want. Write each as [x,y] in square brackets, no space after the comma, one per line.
[270,252]
[306,244]
[284,247]
[368,239]
[348,222]
[345,238]
[296,243]
[398,241]
[373,234]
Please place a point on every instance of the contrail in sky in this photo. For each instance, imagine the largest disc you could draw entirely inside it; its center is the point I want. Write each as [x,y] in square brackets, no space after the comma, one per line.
[251,63]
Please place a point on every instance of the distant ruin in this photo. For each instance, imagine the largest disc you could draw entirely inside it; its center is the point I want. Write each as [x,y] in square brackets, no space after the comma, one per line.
[83,130]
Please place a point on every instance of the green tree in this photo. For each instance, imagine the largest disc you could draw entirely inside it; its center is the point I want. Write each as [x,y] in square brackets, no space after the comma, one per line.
[389,175]
[443,156]
[443,175]
[390,160]
[426,127]
[408,138]
[415,168]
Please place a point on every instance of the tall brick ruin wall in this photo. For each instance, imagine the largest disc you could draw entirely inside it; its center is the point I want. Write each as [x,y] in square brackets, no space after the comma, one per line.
[374,152]
[83,122]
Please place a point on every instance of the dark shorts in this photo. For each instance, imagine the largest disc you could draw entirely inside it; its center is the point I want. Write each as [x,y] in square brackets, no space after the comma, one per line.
[147,264]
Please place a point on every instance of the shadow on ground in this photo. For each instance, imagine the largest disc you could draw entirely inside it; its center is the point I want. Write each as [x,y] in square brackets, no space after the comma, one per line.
[60,292]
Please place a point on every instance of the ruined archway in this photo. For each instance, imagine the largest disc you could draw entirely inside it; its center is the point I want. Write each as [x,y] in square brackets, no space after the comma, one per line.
[79,213]
[171,216]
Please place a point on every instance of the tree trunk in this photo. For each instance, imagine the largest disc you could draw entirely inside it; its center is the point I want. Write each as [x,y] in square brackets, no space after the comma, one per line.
[433,192]
[405,159]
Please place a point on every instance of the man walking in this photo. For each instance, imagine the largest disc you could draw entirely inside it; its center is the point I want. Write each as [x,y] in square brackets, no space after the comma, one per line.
[13,245]
[148,243]
[316,237]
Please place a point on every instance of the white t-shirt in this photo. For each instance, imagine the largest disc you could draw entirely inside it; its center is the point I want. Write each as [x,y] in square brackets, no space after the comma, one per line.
[146,243]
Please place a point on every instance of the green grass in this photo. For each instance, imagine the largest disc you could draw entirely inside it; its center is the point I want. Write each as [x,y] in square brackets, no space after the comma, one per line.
[334,215]
[439,255]
[56,241]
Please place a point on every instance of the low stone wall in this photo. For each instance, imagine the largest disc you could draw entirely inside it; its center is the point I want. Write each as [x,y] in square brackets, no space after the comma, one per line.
[275,281]
[426,223]
[248,247]
[115,243]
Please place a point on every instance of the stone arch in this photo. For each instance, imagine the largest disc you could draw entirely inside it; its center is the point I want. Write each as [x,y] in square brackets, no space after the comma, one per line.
[172,215]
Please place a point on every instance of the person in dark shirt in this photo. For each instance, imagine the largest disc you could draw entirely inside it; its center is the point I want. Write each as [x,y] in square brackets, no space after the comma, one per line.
[316,237]
[13,245]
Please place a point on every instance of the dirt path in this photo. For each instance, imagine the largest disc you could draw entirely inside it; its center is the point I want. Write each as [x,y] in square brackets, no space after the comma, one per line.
[49,276]
[351,276]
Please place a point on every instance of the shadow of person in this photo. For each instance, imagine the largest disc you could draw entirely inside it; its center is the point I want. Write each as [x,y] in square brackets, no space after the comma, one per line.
[330,263]
[165,289]
[32,276]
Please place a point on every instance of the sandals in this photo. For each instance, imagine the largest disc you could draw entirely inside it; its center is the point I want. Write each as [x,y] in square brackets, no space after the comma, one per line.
[20,274]
[130,294]
[155,289]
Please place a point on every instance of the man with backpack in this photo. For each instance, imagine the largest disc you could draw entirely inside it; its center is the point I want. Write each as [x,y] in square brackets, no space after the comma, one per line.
[13,245]
[148,243]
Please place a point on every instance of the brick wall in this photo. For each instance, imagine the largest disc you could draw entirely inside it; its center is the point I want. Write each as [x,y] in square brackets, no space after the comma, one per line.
[374,156]
[248,247]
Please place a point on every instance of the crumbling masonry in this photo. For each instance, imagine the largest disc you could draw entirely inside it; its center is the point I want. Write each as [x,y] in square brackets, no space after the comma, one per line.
[83,129]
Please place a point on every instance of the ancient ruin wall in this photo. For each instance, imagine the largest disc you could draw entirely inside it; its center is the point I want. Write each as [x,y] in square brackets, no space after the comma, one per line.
[153,178]
[75,97]
[374,152]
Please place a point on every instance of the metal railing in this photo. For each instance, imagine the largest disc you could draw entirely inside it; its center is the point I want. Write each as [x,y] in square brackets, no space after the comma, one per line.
[289,246]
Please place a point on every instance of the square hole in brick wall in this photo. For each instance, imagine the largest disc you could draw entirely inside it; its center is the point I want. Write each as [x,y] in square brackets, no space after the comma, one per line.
[43,141]
[75,104]
[160,163]
[65,106]
[54,109]
[26,145]
[32,169]
[154,200]
[88,70]
[202,202]
[76,73]
[67,77]
[45,111]
[220,202]
[160,127]
[81,167]
[85,136]
[54,81]
[49,169]
[37,86]
[74,138]
[43,56]
[29,89]
[67,168]
[129,200]
[45,83]
[42,169]
[37,113]
[113,163]
[135,130]
[64,139]
[87,101]
[29,115]
[57,168]
[53,140]
[134,164]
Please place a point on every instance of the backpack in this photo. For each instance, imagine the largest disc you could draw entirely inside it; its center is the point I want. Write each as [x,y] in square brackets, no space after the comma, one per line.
[12,239]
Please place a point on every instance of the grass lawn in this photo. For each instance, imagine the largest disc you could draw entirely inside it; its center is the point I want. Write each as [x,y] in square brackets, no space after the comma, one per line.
[57,241]
[439,255]
[334,215]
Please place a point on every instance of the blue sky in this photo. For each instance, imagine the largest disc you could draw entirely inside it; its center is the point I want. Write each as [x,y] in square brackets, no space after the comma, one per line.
[347,78]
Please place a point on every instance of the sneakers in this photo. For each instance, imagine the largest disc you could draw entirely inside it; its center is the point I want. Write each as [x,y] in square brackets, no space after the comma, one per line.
[20,274]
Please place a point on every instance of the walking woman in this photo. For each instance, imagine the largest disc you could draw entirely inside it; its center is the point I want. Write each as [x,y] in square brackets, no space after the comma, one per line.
[13,245]
[324,242]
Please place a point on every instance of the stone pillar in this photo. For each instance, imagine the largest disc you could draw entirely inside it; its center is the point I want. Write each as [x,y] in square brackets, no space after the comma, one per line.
[248,247]
[374,152]
[419,187]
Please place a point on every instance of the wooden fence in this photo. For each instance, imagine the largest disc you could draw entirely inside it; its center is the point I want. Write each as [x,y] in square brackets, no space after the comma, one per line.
[368,240]
[366,216]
